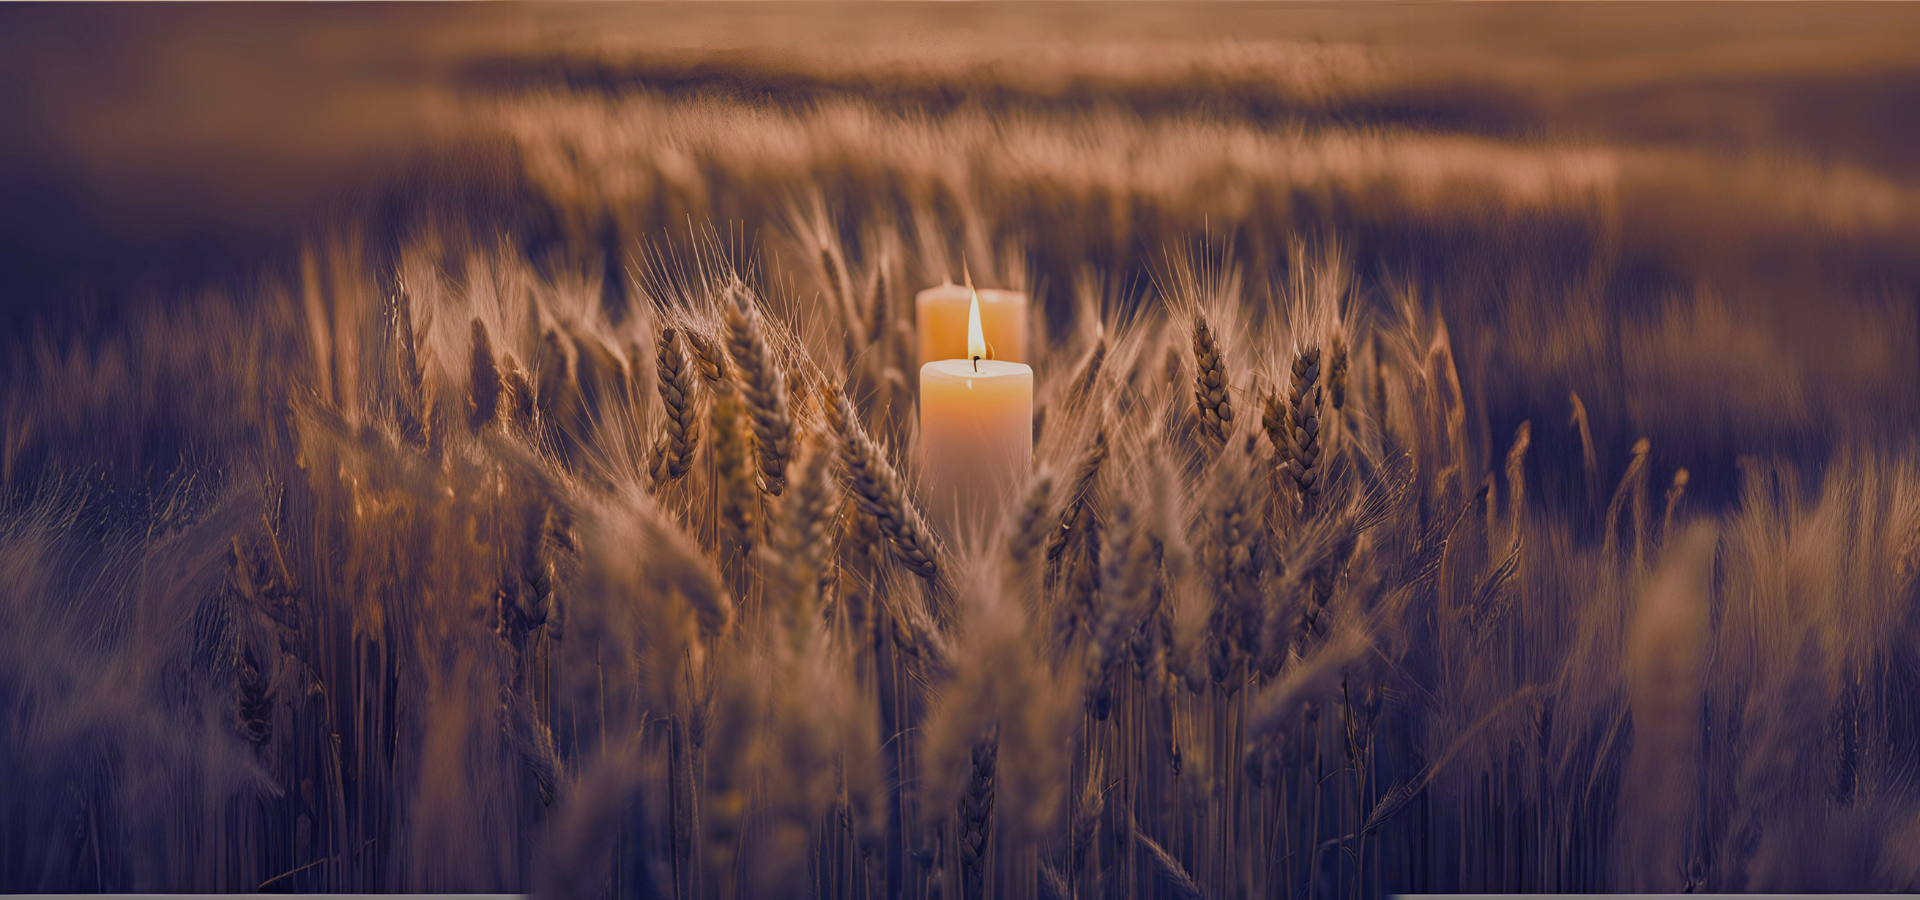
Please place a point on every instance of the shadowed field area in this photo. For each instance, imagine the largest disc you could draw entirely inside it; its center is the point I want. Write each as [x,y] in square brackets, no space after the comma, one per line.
[475,448]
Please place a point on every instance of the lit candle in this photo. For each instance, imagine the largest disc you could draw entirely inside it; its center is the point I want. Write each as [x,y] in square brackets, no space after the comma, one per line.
[976,433]
[942,314]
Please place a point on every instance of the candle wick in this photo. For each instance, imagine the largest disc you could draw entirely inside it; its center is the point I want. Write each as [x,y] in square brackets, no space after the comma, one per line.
[976,364]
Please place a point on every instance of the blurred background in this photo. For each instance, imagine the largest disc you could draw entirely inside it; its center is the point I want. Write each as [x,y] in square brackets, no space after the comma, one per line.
[1620,200]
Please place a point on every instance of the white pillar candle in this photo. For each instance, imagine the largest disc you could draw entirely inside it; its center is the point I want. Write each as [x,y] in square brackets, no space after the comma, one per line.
[976,435]
[941,314]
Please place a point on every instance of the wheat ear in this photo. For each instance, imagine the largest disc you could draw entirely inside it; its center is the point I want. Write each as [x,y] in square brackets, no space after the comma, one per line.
[976,818]
[1210,383]
[674,455]
[1273,419]
[881,303]
[411,409]
[1629,493]
[1083,480]
[713,366]
[1674,493]
[1028,526]
[1088,375]
[1379,399]
[1303,428]
[483,398]
[802,538]
[1337,373]
[1517,481]
[1178,882]
[766,390]
[841,288]
[518,394]
[1589,463]
[733,463]
[877,489]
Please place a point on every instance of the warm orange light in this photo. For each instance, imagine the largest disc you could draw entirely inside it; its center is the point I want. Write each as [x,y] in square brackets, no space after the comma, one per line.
[976,339]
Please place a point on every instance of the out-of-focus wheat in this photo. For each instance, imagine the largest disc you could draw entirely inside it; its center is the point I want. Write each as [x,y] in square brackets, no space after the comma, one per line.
[602,652]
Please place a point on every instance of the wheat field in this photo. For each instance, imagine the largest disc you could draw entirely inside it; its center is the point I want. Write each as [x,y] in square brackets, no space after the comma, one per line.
[475,449]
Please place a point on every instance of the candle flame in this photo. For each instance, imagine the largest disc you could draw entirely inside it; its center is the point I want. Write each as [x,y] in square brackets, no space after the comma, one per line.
[976,339]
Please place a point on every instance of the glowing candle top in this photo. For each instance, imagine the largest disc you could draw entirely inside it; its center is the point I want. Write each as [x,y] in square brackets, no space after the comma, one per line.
[943,315]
